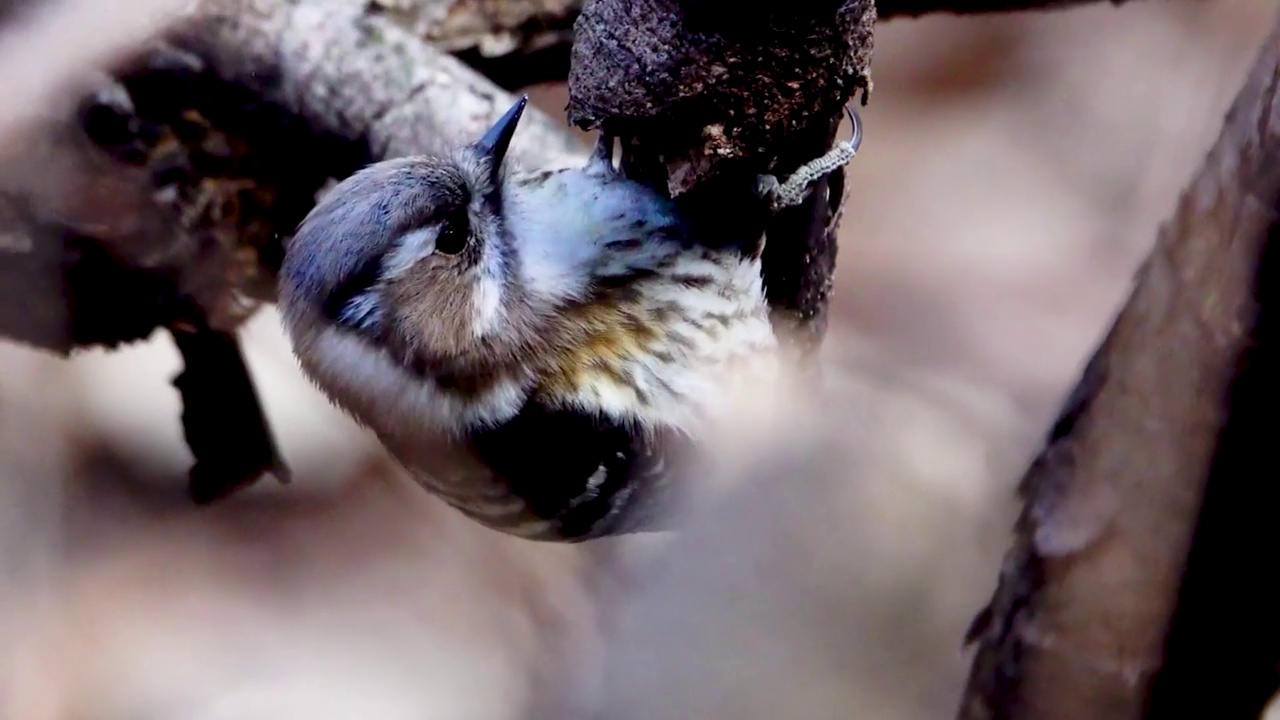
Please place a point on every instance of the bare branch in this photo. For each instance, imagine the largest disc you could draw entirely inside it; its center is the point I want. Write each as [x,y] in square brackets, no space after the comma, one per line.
[357,74]
[162,198]
[1079,623]
[224,131]
[491,27]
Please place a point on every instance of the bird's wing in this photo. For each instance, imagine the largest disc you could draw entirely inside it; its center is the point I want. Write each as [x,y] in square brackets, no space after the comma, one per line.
[590,474]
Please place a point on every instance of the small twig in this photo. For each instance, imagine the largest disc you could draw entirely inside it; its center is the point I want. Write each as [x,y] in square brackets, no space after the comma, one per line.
[222,418]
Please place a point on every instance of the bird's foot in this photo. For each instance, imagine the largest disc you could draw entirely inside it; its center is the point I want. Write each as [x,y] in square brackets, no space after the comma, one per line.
[796,188]
[601,161]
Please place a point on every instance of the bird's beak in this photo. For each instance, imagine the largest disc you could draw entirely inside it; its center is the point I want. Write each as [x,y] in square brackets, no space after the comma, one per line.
[494,144]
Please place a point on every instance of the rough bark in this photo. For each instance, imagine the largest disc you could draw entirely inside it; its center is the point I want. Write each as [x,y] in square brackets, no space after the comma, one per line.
[1173,408]
[706,97]
[224,130]
[164,190]
[521,42]
[269,140]
[704,101]
[514,43]
[163,199]
[491,27]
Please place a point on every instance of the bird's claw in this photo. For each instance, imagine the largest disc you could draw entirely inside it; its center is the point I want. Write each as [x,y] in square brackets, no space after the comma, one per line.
[796,188]
[855,127]
[601,161]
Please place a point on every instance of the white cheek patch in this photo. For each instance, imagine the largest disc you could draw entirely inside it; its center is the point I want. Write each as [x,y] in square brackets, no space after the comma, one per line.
[487,305]
[412,247]
[489,278]
[490,286]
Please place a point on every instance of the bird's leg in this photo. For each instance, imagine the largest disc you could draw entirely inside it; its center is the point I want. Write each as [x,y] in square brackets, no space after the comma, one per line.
[796,188]
[601,161]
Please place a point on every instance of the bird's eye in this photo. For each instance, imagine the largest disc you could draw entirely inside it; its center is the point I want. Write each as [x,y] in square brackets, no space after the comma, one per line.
[454,235]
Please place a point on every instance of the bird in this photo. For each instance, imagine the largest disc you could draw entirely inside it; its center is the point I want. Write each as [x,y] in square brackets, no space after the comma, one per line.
[540,348]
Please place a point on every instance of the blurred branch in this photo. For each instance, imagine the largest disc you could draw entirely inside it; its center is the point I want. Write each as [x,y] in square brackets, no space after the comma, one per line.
[490,27]
[161,194]
[514,43]
[1174,409]
[702,111]
[225,129]
[84,32]
[353,72]
[517,43]
[254,106]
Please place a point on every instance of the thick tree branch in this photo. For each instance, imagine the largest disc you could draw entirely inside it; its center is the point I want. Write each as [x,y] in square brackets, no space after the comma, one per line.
[218,137]
[1178,397]
[197,156]
[514,43]
[706,100]
[490,27]
[707,96]
[368,103]
[164,199]
[521,42]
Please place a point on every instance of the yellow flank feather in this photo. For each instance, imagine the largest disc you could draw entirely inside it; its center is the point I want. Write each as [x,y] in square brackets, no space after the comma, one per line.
[606,339]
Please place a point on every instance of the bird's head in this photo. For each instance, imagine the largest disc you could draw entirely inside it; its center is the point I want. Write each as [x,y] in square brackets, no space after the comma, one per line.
[413,255]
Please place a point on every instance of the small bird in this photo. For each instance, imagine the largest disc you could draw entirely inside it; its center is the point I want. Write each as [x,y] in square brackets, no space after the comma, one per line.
[540,349]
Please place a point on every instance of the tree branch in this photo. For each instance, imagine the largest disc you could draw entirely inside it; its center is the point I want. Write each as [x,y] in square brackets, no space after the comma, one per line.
[163,199]
[706,100]
[517,43]
[223,132]
[1176,399]
[514,43]
[191,162]
[490,27]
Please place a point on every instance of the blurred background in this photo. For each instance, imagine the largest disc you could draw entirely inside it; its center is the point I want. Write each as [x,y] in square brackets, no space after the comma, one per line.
[1013,174]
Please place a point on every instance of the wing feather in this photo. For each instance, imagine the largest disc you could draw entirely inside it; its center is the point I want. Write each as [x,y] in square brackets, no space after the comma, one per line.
[590,474]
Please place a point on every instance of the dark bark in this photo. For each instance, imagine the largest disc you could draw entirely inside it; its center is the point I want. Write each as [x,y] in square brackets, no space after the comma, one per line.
[705,101]
[1123,596]
[240,150]
[222,419]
